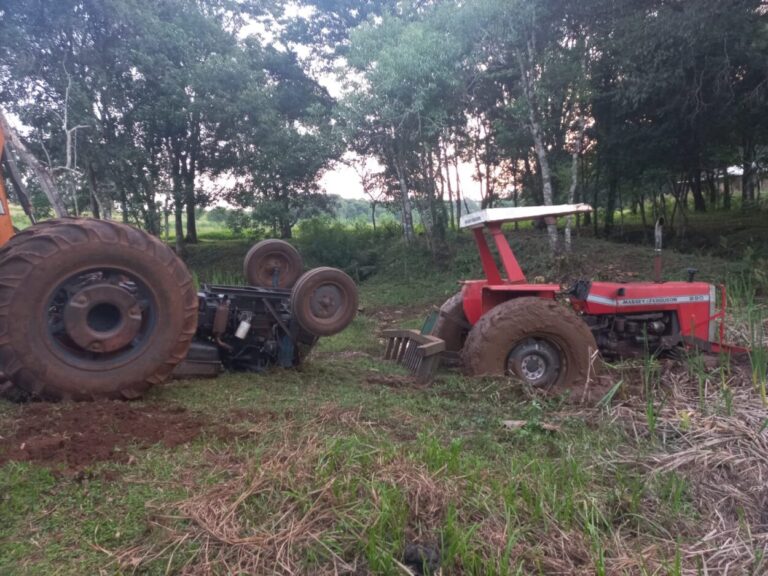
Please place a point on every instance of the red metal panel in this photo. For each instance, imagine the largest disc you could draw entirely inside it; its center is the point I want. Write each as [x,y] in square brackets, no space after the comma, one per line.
[490,269]
[472,299]
[479,297]
[508,261]
[690,300]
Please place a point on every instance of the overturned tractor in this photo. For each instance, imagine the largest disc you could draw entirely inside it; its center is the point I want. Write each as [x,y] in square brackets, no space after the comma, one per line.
[97,309]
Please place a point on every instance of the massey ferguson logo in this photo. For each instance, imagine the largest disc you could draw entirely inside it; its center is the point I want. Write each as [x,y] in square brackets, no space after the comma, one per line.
[656,301]
[662,300]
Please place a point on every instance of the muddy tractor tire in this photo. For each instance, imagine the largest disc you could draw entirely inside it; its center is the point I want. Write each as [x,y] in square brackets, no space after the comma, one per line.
[540,341]
[451,325]
[271,260]
[324,301]
[92,309]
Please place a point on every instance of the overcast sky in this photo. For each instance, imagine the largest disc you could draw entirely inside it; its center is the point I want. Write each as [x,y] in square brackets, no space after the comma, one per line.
[342,179]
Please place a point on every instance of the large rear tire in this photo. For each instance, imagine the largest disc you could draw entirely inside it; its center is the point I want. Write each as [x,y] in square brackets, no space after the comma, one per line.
[92,309]
[540,341]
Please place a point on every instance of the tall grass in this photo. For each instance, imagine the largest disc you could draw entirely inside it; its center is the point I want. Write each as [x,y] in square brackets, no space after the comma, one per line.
[758,354]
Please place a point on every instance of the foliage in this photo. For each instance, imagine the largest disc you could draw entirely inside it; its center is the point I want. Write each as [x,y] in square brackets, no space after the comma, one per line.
[154,110]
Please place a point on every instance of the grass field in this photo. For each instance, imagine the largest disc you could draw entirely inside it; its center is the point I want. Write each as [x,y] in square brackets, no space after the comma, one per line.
[348,467]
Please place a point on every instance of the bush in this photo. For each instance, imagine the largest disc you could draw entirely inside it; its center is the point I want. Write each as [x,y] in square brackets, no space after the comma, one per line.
[353,248]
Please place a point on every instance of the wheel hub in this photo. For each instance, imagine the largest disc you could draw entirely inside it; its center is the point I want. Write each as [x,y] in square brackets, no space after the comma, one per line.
[326,301]
[102,318]
[533,367]
[536,361]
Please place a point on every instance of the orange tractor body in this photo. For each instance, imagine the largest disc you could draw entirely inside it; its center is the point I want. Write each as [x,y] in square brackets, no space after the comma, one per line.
[6,224]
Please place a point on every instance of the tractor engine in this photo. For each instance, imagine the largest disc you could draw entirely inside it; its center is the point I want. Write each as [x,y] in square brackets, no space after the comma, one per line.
[624,335]
[248,327]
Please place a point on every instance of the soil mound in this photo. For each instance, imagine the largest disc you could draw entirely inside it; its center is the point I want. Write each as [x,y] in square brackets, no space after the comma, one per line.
[75,435]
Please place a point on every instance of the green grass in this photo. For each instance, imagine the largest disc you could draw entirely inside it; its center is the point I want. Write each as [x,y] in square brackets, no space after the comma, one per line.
[393,464]
[347,462]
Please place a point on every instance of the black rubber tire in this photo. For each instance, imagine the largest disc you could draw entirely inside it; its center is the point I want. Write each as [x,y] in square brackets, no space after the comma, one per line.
[35,262]
[494,336]
[451,325]
[264,256]
[342,310]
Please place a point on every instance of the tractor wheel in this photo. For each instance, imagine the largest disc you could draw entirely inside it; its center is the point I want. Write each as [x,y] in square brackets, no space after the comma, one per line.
[92,309]
[324,301]
[540,341]
[451,325]
[269,258]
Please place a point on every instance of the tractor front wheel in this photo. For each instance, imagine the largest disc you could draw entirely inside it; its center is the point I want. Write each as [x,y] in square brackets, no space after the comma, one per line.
[539,341]
[451,325]
[324,301]
[272,264]
[92,309]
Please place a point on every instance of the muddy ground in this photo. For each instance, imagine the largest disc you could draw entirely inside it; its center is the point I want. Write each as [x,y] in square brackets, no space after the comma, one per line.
[73,436]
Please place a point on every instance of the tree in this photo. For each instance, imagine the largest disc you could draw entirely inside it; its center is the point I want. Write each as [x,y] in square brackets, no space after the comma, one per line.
[405,93]
[281,140]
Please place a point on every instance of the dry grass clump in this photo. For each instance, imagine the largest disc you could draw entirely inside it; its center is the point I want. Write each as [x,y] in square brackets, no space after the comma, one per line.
[709,428]
[310,503]
[681,491]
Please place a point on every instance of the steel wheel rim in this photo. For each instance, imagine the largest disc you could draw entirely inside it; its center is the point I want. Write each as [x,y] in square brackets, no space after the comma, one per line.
[270,267]
[100,318]
[537,361]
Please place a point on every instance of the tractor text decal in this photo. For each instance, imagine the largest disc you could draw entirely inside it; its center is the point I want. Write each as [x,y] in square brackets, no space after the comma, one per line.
[654,301]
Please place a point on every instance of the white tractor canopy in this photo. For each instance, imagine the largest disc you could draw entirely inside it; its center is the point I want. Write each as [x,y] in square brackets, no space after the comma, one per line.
[501,215]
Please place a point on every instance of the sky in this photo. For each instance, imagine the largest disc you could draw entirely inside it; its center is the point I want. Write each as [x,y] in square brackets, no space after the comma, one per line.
[342,179]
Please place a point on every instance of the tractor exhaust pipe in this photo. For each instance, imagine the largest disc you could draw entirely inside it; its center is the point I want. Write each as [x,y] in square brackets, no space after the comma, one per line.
[658,235]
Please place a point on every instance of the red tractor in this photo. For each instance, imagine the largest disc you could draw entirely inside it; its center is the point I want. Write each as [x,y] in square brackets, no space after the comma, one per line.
[503,324]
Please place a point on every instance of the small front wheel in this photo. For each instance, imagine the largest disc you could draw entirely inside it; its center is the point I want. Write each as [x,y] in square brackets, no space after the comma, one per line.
[324,301]
[272,264]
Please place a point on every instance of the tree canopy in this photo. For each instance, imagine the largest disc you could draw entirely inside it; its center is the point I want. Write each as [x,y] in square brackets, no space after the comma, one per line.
[160,108]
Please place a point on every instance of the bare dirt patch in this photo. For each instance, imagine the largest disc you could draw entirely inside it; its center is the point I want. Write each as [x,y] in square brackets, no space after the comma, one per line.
[74,436]
[394,316]
[392,381]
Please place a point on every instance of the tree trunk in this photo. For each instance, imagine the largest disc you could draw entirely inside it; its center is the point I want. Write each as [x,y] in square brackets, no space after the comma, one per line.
[574,182]
[546,179]
[178,193]
[610,205]
[451,211]
[699,204]
[406,202]
[177,209]
[166,218]
[749,172]
[44,177]
[191,204]
[152,217]
[18,185]
[95,203]
[458,190]
[373,214]
[726,189]
[541,151]
[286,229]
[188,178]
